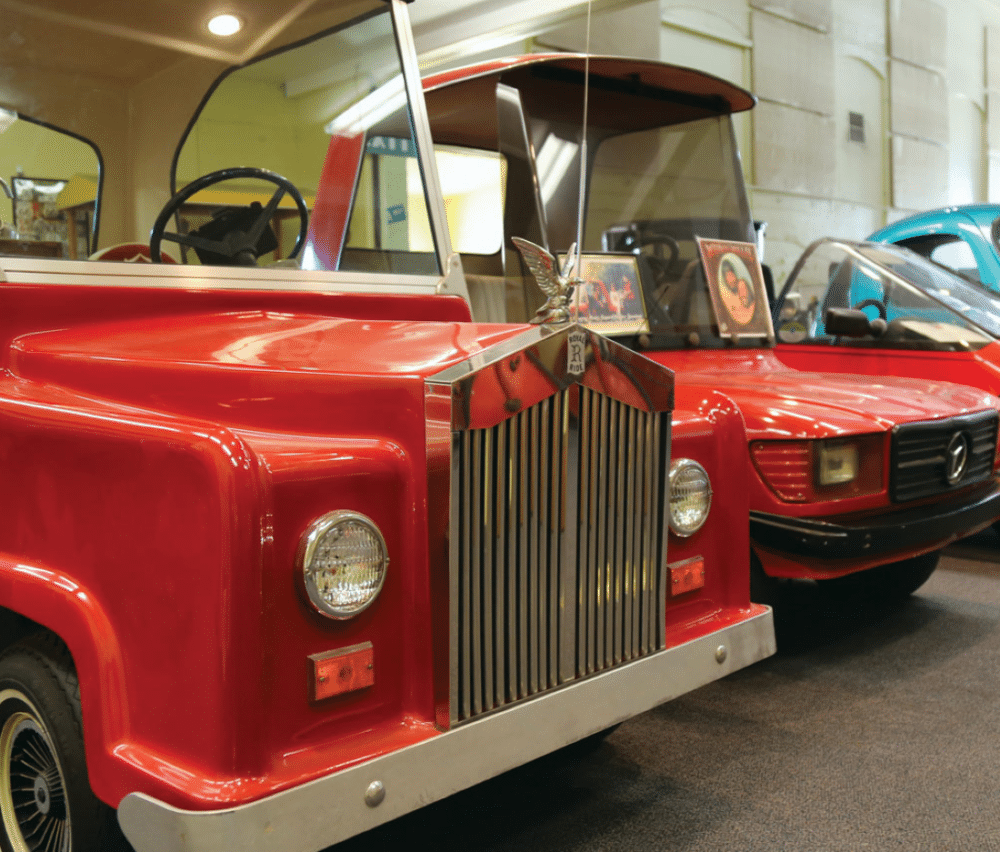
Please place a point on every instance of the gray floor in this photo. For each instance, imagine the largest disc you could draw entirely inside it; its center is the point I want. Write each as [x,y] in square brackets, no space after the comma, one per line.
[870,730]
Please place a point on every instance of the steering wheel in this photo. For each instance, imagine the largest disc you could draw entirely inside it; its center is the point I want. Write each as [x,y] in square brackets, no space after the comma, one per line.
[873,303]
[657,246]
[236,236]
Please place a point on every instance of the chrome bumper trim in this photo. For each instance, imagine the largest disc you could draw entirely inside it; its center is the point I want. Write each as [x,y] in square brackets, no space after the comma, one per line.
[328,810]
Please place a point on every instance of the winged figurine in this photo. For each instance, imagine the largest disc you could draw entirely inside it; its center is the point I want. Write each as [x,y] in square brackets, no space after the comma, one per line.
[556,284]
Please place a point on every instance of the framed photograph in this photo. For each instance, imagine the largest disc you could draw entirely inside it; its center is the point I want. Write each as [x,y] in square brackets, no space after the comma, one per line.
[610,298]
[36,212]
[736,286]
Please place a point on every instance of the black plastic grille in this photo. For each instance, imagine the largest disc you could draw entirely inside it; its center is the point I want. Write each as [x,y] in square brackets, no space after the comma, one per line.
[919,460]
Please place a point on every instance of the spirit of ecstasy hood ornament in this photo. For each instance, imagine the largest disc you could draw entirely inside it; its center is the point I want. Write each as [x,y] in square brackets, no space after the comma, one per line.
[555,284]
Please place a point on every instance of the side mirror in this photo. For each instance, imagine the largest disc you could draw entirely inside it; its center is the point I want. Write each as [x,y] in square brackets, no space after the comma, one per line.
[848,322]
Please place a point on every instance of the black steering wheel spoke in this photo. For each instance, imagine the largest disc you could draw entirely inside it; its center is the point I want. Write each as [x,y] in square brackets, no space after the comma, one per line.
[192,241]
[237,235]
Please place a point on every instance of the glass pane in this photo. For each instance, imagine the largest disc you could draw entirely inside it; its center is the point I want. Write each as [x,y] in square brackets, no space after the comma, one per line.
[652,193]
[957,255]
[331,116]
[912,297]
[472,182]
[49,192]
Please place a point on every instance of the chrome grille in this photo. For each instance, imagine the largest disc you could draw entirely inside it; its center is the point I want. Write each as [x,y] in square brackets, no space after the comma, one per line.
[918,458]
[558,538]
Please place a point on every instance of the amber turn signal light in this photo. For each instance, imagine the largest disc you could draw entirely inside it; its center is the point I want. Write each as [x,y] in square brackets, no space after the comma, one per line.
[340,671]
[686,576]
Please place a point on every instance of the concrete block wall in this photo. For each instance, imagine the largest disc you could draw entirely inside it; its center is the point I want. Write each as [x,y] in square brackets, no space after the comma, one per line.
[917,80]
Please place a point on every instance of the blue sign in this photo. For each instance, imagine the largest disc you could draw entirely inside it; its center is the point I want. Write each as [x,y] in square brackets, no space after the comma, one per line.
[397,213]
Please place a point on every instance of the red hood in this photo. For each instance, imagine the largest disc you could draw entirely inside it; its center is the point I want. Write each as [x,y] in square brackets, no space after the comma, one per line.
[779,402]
[241,363]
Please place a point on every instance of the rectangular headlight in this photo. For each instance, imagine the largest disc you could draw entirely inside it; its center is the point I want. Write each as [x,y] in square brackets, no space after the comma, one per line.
[838,463]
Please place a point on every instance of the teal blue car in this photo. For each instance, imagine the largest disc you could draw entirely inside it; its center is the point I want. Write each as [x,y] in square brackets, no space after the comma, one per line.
[966,239]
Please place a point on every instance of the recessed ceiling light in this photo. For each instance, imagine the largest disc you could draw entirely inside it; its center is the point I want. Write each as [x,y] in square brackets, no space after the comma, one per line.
[225,25]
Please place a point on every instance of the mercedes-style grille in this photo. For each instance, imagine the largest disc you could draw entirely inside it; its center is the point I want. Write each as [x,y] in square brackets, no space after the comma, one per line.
[941,455]
[558,530]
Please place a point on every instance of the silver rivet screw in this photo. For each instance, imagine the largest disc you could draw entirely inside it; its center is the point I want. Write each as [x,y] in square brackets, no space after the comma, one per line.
[720,654]
[375,794]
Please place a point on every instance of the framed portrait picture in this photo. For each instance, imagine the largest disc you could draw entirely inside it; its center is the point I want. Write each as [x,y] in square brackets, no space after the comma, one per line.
[736,287]
[609,299]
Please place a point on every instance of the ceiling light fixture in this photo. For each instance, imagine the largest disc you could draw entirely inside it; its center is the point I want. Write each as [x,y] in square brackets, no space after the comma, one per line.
[225,25]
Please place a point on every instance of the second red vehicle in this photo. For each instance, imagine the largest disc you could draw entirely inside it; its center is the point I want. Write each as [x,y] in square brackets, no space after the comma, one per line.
[854,479]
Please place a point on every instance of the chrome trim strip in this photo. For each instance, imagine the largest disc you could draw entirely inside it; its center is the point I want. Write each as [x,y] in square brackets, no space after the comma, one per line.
[475,572]
[457,591]
[631,588]
[500,526]
[328,810]
[648,530]
[585,545]
[524,507]
[96,273]
[569,630]
[534,598]
[602,558]
[660,467]
[548,613]
[617,567]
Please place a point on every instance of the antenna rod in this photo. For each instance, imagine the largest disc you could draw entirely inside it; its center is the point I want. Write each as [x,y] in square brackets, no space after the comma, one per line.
[575,272]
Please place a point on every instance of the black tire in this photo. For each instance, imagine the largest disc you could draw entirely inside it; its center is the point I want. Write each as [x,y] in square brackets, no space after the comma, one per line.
[46,804]
[892,582]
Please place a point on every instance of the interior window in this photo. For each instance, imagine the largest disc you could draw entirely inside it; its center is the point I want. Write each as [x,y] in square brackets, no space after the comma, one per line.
[473,182]
[49,190]
[949,250]
[957,255]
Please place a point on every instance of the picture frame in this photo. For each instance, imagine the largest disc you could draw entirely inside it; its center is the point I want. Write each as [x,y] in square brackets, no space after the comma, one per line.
[736,287]
[610,298]
[37,216]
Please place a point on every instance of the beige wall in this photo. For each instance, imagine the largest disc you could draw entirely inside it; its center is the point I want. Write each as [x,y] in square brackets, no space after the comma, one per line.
[923,73]
[161,108]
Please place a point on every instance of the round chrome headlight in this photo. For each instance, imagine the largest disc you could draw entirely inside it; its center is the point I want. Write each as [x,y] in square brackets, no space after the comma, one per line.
[343,561]
[690,497]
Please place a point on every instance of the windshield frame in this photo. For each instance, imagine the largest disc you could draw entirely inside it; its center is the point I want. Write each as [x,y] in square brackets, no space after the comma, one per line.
[862,252]
[94,231]
[449,278]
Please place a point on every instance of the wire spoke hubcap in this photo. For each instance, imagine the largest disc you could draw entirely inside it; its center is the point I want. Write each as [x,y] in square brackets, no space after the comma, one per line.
[32,790]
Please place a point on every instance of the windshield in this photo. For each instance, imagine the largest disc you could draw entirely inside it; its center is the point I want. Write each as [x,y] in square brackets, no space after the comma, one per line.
[923,305]
[331,116]
[651,193]
[662,169]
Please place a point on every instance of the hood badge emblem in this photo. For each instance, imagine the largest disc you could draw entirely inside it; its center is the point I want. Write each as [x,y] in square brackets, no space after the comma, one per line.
[956,458]
[576,352]
[556,284]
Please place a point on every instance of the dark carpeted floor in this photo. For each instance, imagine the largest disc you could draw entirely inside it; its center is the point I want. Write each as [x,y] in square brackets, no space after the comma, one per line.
[872,729]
